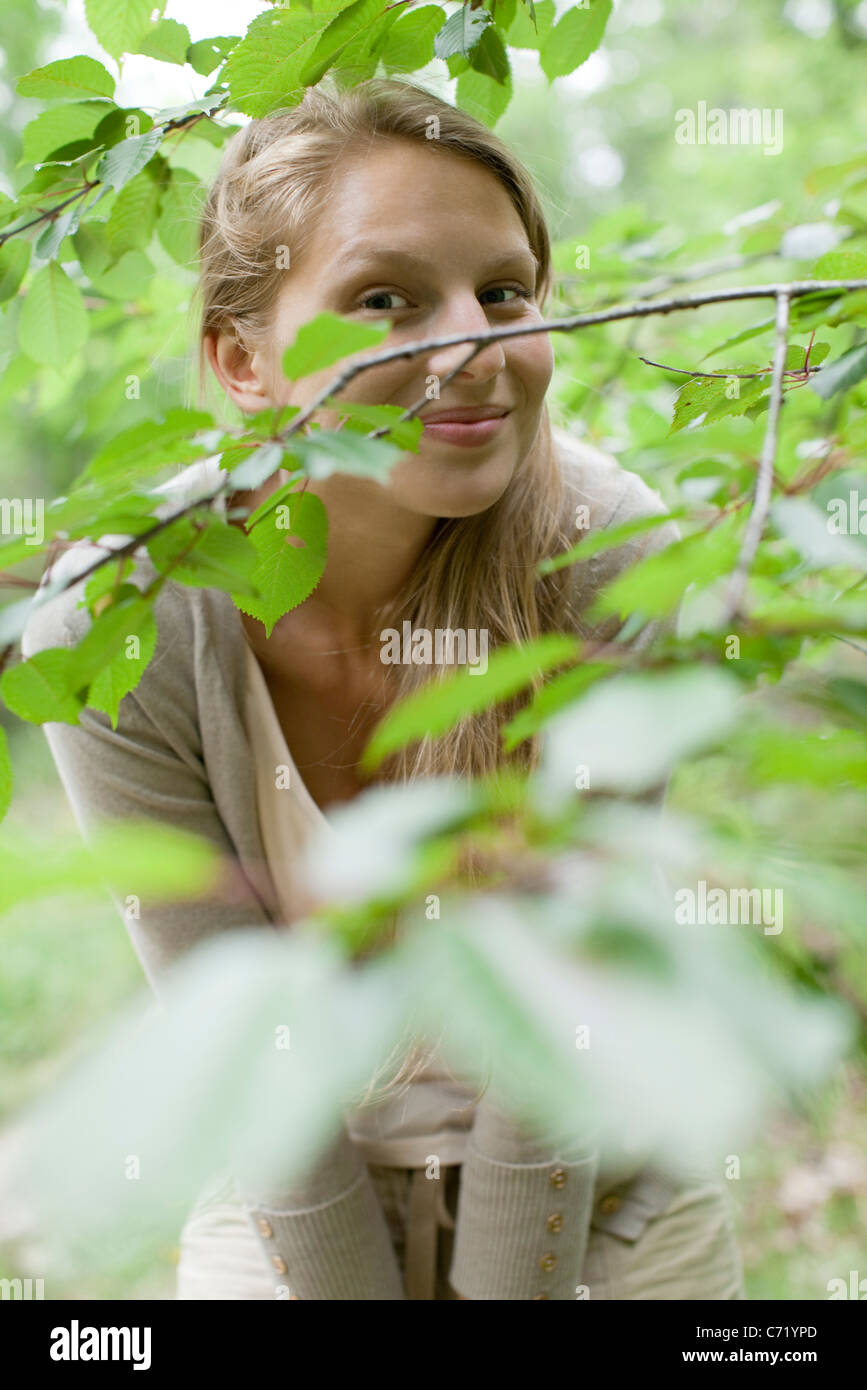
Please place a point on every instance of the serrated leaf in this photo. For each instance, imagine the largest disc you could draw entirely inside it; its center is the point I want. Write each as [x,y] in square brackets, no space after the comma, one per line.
[441,704]
[133,215]
[523,33]
[264,71]
[38,689]
[168,41]
[352,21]
[344,451]
[59,125]
[328,339]
[842,373]
[257,467]
[214,554]
[489,56]
[482,96]
[756,331]
[52,236]
[148,445]
[287,573]
[107,636]
[405,433]
[14,260]
[207,54]
[118,23]
[410,42]
[461,32]
[575,36]
[122,162]
[67,78]
[123,672]
[53,325]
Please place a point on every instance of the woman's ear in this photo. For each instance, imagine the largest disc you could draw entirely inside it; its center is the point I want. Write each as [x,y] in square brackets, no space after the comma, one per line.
[241,374]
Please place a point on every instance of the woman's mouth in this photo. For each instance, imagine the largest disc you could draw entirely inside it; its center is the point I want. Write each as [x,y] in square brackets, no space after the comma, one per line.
[467,427]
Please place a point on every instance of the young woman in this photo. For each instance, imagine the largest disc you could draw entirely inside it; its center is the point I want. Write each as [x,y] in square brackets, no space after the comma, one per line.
[383,202]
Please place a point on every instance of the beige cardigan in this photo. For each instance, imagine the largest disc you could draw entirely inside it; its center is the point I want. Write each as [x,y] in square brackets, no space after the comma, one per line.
[181,754]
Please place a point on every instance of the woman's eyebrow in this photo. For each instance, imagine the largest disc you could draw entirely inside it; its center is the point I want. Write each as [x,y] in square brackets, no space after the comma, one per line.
[364,254]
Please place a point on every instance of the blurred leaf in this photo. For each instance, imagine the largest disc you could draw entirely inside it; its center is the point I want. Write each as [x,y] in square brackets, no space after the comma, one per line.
[443,703]
[53,325]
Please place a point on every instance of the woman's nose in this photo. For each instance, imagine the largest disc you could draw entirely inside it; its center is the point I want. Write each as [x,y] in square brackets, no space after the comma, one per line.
[467,316]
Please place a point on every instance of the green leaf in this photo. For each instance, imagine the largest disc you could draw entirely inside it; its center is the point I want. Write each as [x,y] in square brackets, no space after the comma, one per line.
[655,585]
[257,467]
[121,163]
[405,433]
[215,555]
[180,208]
[441,704]
[410,42]
[128,278]
[287,573]
[345,451]
[92,248]
[840,265]
[53,325]
[842,373]
[129,615]
[52,236]
[489,56]
[556,695]
[606,539]
[14,260]
[354,20]
[58,126]
[461,32]
[522,31]
[631,731]
[704,396]
[482,96]
[264,71]
[5,774]
[149,445]
[67,78]
[207,54]
[574,38]
[328,339]
[118,23]
[38,690]
[168,41]
[756,331]
[133,215]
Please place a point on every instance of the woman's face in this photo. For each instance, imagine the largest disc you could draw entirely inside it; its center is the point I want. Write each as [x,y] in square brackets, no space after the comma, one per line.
[432,242]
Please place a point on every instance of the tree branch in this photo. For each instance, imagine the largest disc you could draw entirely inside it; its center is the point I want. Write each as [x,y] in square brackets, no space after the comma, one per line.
[764,482]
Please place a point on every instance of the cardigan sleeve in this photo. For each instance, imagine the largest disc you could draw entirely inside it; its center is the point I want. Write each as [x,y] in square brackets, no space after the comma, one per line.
[324,1236]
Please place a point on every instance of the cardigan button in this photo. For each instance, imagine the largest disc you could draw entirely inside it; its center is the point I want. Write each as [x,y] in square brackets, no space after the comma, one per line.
[610,1204]
[264,1228]
[557,1177]
[555,1222]
[279,1264]
[548,1262]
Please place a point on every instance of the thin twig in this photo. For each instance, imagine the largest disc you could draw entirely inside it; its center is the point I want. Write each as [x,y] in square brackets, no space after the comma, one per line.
[764,482]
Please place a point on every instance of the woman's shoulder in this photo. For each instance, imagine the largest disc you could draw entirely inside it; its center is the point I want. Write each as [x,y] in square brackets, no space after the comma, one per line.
[60,617]
[595,480]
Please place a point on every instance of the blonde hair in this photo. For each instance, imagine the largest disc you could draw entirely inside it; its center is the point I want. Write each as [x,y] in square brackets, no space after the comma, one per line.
[477,572]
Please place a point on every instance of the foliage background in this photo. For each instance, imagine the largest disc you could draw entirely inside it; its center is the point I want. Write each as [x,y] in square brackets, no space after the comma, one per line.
[600,143]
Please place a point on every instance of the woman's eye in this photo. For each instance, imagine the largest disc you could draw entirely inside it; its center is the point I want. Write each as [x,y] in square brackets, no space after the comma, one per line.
[508,289]
[376,300]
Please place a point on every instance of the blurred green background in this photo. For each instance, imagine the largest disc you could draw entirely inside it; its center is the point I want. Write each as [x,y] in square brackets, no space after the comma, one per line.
[601,146]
